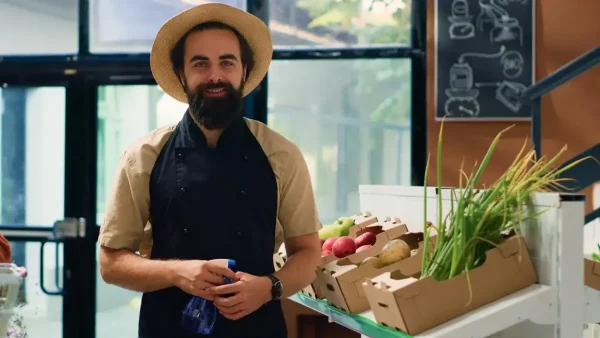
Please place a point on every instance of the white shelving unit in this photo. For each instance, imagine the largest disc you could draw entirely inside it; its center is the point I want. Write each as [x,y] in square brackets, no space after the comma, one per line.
[558,307]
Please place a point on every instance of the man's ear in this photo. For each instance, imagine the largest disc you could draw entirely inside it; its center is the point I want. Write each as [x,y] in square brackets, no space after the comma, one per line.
[181,77]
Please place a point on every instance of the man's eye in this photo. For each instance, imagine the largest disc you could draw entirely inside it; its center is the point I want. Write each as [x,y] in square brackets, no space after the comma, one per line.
[227,63]
[200,64]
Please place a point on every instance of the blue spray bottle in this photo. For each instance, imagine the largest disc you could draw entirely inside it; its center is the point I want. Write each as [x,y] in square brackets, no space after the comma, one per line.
[200,315]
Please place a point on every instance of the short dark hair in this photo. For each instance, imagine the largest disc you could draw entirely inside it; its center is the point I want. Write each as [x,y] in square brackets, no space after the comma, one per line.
[178,52]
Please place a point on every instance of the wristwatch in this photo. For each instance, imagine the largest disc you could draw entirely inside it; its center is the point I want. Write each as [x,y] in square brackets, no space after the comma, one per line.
[276,287]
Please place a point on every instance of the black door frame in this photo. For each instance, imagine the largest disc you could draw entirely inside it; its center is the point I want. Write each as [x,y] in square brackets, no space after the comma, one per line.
[78,289]
[81,75]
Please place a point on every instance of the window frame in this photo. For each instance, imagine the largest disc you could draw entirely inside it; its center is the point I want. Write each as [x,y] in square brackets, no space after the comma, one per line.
[83,72]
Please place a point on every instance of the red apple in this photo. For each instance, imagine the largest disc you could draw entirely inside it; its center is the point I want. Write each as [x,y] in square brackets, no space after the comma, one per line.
[343,247]
[328,243]
[367,238]
[325,253]
[364,247]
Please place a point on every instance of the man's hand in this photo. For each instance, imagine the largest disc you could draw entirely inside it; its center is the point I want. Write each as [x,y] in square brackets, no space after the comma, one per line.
[242,297]
[194,277]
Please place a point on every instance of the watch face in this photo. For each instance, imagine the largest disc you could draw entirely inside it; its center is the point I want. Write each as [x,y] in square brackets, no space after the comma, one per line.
[277,289]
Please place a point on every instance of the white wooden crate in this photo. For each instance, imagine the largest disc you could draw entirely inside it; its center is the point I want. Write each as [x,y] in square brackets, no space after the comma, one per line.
[556,308]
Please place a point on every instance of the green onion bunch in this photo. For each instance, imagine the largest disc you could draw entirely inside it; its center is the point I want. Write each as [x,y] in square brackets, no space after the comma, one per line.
[480,219]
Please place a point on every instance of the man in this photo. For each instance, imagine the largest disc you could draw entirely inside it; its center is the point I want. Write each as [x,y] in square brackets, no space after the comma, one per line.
[214,186]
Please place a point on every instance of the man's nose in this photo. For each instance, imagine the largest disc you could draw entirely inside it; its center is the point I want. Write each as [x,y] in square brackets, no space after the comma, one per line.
[215,77]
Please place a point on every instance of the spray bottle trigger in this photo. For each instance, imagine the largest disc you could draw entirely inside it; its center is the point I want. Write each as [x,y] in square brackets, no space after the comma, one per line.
[230,266]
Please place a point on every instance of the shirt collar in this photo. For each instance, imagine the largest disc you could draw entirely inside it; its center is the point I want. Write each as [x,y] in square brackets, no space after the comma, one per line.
[191,136]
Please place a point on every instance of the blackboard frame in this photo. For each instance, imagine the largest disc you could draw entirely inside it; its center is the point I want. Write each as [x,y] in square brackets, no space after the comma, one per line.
[442,103]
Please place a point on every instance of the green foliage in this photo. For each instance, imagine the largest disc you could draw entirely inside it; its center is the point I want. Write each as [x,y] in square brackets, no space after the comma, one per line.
[372,22]
[595,255]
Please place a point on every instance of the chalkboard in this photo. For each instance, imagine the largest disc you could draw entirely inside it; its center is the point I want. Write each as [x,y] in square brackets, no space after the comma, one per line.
[484,58]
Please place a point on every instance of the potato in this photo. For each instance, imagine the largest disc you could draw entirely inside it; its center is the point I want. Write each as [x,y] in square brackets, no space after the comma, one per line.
[394,251]
[373,261]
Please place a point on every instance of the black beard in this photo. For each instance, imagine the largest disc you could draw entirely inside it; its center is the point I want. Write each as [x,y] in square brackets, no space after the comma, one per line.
[218,112]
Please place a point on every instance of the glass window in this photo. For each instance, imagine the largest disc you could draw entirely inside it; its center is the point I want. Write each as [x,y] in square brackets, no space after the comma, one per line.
[118,26]
[335,23]
[38,27]
[32,156]
[350,118]
[121,120]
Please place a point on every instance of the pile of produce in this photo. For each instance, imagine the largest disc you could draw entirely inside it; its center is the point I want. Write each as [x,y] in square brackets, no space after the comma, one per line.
[595,255]
[341,227]
[345,246]
[480,219]
[393,252]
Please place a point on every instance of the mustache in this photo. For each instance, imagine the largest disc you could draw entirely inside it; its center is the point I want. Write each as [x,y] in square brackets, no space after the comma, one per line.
[199,90]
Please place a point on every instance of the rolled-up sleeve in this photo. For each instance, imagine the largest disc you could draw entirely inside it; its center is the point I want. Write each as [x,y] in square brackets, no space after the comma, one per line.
[297,208]
[127,208]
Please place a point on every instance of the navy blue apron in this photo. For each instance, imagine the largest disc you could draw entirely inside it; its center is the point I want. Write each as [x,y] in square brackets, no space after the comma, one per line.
[208,203]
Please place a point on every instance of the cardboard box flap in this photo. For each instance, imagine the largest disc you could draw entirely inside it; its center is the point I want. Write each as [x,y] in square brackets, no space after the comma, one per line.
[364,219]
[596,268]
[393,226]
[338,267]
[356,231]
[409,266]
[390,225]
[327,259]
[509,247]
[413,239]
[591,273]
[395,281]
[511,255]
[385,308]
[403,269]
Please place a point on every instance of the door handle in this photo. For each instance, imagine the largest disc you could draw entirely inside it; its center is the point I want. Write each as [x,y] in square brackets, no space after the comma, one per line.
[67,229]
[59,290]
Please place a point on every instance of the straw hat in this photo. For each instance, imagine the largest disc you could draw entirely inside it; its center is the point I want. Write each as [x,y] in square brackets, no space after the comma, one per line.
[249,26]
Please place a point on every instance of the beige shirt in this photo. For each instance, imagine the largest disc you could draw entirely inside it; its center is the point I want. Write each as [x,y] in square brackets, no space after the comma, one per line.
[126,223]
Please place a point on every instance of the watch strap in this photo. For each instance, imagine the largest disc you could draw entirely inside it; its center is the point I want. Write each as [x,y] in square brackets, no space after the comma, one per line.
[276,287]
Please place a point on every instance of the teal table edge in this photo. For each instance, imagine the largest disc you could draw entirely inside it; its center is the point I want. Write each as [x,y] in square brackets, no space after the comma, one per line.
[358,323]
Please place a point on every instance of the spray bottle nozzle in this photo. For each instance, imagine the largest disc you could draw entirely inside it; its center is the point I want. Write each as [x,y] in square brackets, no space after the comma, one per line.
[200,315]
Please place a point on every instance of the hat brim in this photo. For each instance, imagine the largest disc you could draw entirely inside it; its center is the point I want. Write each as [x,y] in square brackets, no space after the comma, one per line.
[249,26]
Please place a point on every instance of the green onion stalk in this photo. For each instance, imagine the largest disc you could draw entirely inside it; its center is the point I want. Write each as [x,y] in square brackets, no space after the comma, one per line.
[479,219]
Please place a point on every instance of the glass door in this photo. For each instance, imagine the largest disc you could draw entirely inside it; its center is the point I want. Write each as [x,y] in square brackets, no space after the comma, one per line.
[32,159]
[125,113]
[33,204]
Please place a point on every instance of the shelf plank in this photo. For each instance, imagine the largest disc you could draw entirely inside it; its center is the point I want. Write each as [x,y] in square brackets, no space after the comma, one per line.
[533,303]
[592,305]
[363,323]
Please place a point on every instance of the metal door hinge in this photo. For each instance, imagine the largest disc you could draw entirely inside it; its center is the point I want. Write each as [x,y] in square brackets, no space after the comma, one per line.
[69,228]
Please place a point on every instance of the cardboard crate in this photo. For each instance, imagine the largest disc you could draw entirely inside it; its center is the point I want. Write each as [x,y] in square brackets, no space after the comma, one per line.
[414,305]
[362,220]
[382,230]
[591,273]
[342,280]
[388,224]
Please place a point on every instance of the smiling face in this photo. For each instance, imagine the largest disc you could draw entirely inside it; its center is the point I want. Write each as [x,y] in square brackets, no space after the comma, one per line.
[213,75]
